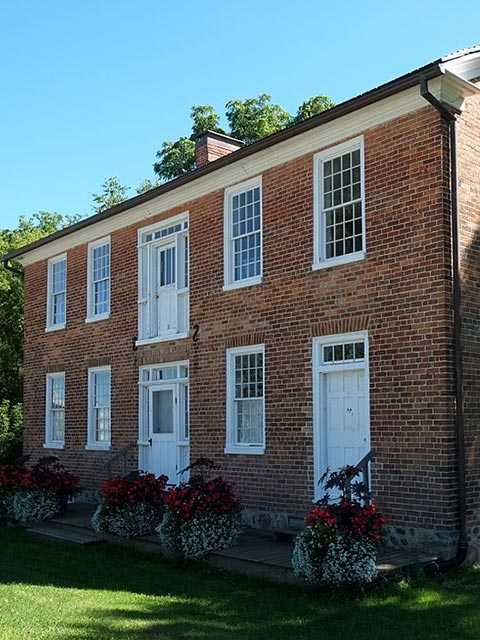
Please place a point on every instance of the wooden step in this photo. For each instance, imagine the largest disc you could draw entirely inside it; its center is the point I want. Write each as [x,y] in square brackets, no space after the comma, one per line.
[72,535]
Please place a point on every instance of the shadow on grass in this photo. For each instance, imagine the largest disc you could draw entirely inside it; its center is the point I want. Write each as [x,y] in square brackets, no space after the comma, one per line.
[154,599]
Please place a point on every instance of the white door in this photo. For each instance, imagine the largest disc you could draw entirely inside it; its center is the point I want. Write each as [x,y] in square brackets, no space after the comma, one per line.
[346,418]
[166,290]
[162,431]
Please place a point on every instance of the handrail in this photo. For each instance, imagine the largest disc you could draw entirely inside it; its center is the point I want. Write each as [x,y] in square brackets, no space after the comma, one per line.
[119,456]
[363,468]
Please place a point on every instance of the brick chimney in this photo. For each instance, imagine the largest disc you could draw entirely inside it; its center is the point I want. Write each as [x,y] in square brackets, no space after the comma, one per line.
[211,145]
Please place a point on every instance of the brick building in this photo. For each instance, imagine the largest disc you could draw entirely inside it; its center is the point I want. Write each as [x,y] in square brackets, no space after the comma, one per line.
[287,306]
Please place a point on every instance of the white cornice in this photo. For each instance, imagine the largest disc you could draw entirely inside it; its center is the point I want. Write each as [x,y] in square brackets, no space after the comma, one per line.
[448,87]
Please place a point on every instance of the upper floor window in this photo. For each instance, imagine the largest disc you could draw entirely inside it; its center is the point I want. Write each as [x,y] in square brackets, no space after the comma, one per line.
[98,285]
[245,400]
[57,292]
[55,411]
[243,234]
[339,204]
[163,303]
[99,405]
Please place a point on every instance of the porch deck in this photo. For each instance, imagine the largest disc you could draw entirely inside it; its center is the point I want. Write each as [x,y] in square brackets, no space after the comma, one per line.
[256,554]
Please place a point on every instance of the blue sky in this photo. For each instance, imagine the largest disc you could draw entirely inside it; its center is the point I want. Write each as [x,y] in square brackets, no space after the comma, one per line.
[90,89]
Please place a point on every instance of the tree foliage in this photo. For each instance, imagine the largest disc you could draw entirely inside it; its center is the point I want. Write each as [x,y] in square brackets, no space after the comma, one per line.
[112,193]
[249,120]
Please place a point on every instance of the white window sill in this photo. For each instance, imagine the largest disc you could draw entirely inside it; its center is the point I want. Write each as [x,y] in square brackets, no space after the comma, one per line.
[249,451]
[243,283]
[56,327]
[97,447]
[333,262]
[54,445]
[169,338]
[103,316]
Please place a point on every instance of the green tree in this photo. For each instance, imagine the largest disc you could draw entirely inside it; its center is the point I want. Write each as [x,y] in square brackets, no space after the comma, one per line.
[255,118]
[249,120]
[113,192]
[312,107]
[148,184]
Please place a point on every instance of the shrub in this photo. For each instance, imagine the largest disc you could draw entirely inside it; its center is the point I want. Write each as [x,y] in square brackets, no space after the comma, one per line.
[130,506]
[11,432]
[338,544]
[36,504]
[200,516]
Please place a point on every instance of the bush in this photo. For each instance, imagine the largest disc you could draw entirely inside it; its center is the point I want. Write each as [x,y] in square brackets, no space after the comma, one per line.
[339,542]
[130,506]
[11,432]
[36,504]
[200,517]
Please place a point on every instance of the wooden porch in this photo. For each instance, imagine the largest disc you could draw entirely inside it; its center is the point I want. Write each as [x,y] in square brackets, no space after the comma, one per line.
[256,554]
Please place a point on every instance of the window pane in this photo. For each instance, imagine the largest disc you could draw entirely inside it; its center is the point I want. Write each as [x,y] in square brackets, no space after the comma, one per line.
[162,411]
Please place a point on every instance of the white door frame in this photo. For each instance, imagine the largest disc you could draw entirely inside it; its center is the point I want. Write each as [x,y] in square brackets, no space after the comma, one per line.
[319,372]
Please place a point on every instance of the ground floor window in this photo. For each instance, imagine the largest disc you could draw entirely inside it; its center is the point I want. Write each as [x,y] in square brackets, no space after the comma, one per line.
[55,410]
[245,400]
[99,408]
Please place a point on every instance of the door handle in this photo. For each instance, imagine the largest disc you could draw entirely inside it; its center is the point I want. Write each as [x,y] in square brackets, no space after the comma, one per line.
[150,441]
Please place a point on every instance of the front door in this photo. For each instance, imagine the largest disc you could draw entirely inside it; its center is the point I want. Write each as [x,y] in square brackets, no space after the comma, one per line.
[162,430]
[341,403]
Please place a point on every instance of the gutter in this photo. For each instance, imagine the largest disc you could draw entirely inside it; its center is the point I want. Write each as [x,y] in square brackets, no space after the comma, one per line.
[462,548]
[12,269]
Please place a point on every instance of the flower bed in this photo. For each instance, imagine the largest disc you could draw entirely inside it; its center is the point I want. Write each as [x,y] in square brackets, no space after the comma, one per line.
[200,517]
[37,493]
[339,543]
[130,506]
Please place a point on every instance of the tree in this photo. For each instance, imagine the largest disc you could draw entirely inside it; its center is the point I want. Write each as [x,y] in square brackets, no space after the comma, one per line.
[11,322]
[147,184]
[249,120]
[112,193]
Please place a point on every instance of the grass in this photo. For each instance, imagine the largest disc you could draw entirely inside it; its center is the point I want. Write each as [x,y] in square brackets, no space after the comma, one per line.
[59,592]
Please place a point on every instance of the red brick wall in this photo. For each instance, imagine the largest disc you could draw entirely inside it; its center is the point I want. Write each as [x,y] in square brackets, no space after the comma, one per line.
[400,293]
[468,142]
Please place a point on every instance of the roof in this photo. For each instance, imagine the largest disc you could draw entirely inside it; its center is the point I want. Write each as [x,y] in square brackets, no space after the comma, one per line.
[429,71]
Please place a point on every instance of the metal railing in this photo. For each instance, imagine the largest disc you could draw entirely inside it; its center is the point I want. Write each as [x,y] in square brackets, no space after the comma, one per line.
[121,455]
[362,468]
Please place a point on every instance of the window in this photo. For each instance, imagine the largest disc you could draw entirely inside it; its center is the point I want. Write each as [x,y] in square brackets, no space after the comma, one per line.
[339,205]
[98,285]
[55,411]
[57,292]
[243,234]
[99,430]
[245,400]
[163,305]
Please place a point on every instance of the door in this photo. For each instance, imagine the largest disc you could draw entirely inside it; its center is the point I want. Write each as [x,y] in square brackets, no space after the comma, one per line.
[162,431]
[166,290]
[346,418]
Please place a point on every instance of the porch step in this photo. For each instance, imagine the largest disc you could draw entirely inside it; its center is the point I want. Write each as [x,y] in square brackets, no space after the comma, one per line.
[63,533]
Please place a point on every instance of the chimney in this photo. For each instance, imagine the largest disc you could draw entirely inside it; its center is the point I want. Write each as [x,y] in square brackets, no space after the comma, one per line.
[211,145]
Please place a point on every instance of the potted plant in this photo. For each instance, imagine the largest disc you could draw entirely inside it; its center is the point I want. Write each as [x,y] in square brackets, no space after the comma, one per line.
[130,506]
[338,545]
[201,515]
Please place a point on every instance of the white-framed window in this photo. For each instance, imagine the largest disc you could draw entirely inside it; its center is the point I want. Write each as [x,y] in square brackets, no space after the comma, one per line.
[55,411]
[163,301]
[98,280]
[99,408]
[57,293]
[246,400]
[339,204]
[243,234]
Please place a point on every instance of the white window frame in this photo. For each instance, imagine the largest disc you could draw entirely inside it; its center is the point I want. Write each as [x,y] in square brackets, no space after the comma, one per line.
[50,443]
[91,315]
[92,443]
[51,326]
[145,284]
[228,253]
[231,436]
[320,261]
[319,371]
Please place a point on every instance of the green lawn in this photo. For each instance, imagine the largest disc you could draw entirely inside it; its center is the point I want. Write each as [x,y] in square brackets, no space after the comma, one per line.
[53,591]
